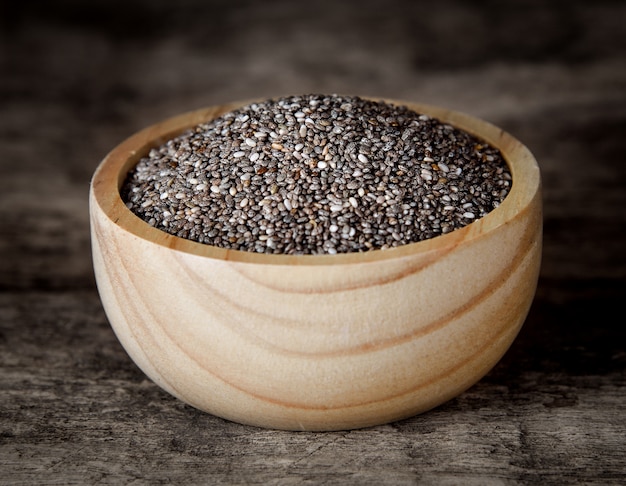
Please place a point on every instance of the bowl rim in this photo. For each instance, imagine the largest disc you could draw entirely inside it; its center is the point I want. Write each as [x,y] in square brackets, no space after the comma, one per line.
[110,174]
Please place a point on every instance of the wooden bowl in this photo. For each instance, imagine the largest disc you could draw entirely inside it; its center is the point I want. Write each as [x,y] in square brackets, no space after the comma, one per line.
[317,342]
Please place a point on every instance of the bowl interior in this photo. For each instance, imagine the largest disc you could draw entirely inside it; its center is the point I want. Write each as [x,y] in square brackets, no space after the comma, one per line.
[111,173]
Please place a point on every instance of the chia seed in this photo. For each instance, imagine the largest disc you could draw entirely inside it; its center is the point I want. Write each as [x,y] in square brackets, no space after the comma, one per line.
[317,174]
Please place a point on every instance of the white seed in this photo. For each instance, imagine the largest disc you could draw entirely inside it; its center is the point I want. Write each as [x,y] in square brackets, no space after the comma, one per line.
[469,215]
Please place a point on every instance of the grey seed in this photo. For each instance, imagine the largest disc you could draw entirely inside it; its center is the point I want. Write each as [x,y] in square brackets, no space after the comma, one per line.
[337,174]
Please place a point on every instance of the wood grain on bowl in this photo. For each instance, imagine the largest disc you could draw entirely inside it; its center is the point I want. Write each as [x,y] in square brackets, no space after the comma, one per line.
[317,342]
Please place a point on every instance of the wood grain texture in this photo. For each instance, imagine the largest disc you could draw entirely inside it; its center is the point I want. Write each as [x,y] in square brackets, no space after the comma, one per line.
[317,342]
[77,77]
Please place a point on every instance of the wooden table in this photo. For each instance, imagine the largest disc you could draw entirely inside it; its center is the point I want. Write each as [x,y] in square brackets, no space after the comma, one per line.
[75,80]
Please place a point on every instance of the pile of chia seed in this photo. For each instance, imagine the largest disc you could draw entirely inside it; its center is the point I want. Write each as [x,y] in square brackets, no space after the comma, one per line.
[317,174]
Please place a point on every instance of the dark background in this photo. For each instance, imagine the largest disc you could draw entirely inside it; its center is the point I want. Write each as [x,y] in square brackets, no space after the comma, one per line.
[76,78]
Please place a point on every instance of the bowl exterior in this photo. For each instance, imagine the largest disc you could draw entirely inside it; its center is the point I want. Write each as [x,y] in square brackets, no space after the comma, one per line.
[319,347]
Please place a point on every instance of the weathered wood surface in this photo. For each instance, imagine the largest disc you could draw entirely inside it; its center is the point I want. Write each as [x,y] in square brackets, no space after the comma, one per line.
[75,79]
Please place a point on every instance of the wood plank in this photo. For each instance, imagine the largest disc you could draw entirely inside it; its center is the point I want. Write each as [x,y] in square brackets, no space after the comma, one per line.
[76,81]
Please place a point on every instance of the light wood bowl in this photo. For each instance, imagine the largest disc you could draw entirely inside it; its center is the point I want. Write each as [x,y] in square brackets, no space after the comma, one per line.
[322,342]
